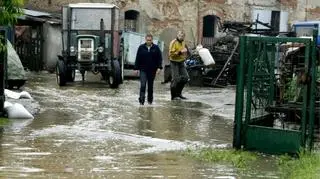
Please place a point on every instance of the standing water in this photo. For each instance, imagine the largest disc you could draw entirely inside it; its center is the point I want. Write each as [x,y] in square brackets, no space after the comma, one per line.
[91,131]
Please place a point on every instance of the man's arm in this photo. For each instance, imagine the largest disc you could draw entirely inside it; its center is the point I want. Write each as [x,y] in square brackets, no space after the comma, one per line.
[173,52]
[159,58]
[137,62]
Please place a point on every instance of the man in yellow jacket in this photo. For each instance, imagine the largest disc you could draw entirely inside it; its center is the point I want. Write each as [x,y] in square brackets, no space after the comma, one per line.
[177,55]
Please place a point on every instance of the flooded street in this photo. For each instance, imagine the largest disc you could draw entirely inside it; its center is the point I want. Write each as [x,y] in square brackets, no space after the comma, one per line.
[91,131]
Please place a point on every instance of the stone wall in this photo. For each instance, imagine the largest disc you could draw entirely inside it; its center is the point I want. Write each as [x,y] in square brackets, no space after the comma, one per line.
[158,15]
[164,17]
[313,9]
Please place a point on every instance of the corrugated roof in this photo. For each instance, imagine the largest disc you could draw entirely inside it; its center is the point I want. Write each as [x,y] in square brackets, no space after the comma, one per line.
[39,16]
[35,13]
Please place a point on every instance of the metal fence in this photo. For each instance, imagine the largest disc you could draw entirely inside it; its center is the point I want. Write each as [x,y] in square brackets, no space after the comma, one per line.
[275,98]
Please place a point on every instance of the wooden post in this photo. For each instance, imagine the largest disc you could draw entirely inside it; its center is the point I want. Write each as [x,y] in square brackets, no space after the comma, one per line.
[3,59]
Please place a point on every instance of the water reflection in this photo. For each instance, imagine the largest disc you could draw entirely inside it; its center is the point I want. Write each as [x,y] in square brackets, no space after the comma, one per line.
[51,117]
[146,121]
[172,166]
[220,129]
[174,123]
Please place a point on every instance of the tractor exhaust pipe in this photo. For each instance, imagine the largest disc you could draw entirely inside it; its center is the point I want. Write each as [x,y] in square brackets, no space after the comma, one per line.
[102,37]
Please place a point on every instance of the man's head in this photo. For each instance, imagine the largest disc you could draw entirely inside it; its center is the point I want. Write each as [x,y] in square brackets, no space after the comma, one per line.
[149,39]
[180,35]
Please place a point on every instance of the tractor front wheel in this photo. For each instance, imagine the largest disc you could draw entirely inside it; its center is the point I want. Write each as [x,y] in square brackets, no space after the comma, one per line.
[114,76]
[61,73]
[71,74]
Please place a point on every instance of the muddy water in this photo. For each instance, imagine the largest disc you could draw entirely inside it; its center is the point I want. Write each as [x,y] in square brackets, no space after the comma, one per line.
[91,131]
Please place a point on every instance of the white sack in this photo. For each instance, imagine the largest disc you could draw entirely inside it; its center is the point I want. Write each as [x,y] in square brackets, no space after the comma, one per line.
[7,104]
[16,95]
[17,111]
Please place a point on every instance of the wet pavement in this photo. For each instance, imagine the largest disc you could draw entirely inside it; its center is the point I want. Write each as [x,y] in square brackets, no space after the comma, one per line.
[91,131]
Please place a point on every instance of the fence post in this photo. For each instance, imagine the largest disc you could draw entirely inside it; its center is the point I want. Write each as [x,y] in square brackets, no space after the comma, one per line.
[3,57]
[239,96]
[312,89]
[305,95]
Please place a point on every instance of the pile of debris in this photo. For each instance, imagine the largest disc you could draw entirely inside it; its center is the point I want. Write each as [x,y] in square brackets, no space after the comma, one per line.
[225,52]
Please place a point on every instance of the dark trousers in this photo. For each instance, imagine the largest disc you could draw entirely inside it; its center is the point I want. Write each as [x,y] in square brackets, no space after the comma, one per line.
[179,78]
[146,78]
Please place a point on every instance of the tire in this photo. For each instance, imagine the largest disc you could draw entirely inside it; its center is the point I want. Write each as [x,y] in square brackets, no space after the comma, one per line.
[122,57]
[70,75]
[114,76]
[167,74]
[122,70]
[196,77]
[61,73]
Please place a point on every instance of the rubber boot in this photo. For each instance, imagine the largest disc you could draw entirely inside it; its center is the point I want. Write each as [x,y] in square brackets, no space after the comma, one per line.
[180,87]
[141,101]
[173,93]
[150,99]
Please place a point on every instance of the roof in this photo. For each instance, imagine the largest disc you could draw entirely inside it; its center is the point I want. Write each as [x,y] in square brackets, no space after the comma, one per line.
[306,22]
[39,16]
[35,13]
[92,5]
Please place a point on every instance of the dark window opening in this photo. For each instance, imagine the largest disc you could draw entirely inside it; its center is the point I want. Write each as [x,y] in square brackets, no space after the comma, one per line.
[131,20]
[209,26]
[275,20]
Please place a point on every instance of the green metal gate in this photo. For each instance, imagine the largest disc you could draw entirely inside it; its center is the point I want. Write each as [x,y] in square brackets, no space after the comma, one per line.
[268,65]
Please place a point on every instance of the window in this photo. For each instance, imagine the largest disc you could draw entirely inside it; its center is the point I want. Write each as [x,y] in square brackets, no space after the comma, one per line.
[275,20]
[209,26]
[131,20]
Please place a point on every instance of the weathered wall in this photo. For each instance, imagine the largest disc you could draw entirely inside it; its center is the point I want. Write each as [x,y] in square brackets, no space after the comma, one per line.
[164,17]
[52,45]
[157,15]
[313,9]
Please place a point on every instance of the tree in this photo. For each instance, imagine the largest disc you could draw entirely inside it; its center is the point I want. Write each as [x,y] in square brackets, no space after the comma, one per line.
[10,10]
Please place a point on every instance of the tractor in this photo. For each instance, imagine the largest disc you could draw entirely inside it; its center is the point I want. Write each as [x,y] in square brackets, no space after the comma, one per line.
[90,43]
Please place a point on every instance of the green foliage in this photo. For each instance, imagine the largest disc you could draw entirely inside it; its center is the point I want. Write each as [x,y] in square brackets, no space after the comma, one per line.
[306,166]
[239,159]
[291,89]
[2,47]
[9,12]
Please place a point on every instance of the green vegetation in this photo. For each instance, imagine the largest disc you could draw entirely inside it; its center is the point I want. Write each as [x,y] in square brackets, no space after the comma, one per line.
[9,12]
[292,88]
[239,159]
[3,121]
[306,166]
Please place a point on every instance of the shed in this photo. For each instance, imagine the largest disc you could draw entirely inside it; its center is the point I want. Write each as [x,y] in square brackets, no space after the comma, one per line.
[37,39]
